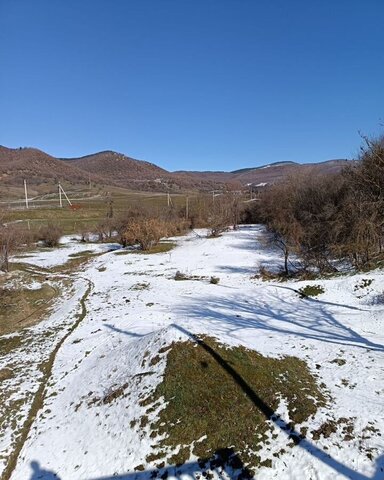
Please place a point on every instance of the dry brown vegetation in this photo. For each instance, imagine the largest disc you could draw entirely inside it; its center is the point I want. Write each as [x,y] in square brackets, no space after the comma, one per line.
[326,218]
[13,237]
[145,225]
[50,234]
[146,232]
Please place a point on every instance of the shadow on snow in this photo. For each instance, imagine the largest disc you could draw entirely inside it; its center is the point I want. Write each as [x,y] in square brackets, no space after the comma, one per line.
[227,463]
[307,318]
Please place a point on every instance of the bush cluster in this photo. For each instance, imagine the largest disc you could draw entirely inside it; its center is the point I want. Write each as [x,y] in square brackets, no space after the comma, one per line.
[335,217]
[145,225]
[50,235]
[14,236]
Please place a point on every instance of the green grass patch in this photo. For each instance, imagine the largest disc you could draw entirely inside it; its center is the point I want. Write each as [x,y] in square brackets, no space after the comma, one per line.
[8,344]
[92,210]
[124,252]
[162,247]
[21,307]
[84,253]
[310,291]
[75,262]
[218,398]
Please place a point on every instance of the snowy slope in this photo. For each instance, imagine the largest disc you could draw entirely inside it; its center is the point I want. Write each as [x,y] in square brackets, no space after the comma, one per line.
[88,427]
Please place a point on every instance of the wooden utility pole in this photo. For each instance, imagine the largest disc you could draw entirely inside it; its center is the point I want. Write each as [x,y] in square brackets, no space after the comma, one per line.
[186,207]
[26,194]
[62,191]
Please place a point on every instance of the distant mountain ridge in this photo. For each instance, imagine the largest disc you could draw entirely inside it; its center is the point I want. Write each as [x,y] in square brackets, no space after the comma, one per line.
[275,164]
[110,168]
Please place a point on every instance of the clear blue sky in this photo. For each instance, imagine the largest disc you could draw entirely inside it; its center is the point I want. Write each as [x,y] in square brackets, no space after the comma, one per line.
[192,84]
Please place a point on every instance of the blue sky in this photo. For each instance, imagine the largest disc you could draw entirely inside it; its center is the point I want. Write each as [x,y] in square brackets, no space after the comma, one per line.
[192,84]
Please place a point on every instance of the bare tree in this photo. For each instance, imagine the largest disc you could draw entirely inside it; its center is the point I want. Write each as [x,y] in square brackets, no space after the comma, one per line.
[10,238]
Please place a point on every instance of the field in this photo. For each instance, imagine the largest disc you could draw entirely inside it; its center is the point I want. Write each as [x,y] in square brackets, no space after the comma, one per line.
[88,209]
[183,363]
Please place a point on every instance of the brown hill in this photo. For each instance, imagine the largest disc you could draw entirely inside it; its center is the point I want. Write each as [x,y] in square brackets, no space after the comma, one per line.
[17,164]
[275,172]
[112,165]
[115,169]
[268,174]
[118,169]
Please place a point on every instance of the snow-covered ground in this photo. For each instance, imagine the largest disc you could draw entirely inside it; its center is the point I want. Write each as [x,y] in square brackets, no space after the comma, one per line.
[136,307]
[69,246]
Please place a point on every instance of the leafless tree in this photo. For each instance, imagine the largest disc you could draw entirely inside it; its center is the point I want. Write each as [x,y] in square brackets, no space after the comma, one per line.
[10,238]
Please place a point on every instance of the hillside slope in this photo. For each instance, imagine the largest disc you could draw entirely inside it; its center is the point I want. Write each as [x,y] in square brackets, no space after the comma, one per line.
[118,169]
[269,174]
[39,169]
[115,169]
[113,165]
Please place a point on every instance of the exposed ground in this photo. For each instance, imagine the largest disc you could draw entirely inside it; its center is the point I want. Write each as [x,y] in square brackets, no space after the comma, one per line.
[132,374]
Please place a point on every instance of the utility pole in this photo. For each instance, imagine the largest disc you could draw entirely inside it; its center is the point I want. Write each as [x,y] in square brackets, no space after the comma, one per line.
[186,207]
[60,199]
[168,200]
[62,191]
[26,194]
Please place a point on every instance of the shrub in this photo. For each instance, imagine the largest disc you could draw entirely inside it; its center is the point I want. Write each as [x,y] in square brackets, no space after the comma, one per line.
[84,236]
[105,229]
[146,225]
[145,232]
[180,276]
[183,276]
[364,283]
[50,235]
[214,280]
[310,291]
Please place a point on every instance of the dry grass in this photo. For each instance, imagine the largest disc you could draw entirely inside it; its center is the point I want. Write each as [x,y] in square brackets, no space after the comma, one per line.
[91,211]
[22,307]
[207,401]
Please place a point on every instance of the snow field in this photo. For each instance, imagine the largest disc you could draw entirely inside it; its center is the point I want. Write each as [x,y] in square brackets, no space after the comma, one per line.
[89,427]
